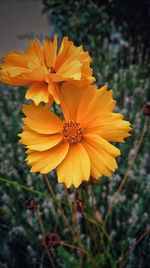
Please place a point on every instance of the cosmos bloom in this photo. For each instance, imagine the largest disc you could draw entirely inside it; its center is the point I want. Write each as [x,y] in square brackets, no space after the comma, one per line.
[44,68]
[78,145]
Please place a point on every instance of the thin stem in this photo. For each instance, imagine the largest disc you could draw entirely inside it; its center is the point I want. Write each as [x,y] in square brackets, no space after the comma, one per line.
[74,217]
[134,156]
[129,251]
[58,205]
[29,189]
[104,232]
[131,164]
[42,259]
[54,107]
[43,234]
[70,204]
[83,250]
[78,231]
[51,191]
[92,198]
[49,186]
[40,221]
[3,265]
[75,222]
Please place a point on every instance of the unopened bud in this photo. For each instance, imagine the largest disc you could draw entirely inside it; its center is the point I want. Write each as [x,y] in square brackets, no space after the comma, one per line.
[51,240]
[79,206]
[92,181]
[31,204]
[146,109]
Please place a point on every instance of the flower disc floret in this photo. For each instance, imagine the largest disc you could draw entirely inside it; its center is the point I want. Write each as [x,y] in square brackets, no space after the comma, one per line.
[72,131]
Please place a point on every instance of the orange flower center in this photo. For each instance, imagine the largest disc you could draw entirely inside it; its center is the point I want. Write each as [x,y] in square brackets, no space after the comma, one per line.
[52,70]
[72,131]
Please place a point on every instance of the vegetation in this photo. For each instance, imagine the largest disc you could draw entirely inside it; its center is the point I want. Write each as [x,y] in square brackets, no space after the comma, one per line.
[113,229]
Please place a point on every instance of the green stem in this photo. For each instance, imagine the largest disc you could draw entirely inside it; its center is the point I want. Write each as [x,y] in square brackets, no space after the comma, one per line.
[54,107]
[83,250]
[103,230]
[43,234]
[60,209]
[29,189]
[130,166]
[124,259]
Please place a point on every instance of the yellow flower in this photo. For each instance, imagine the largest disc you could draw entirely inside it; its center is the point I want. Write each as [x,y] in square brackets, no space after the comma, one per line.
[78,145]
[44,68]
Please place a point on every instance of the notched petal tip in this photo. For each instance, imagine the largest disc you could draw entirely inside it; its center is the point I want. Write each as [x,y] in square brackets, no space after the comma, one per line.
[19,135]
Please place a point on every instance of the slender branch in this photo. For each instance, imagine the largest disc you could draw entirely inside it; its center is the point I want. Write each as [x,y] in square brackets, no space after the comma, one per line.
[49,186]
[70,204]
[134,156]
[54,107]
[103,230]
[76,223]
[42,259]
[92,197]
[59,207]
[3,265]
[129,251]
[43,234]
[83,250]
[74,218]
[131,164]
[40,221]
[29,189]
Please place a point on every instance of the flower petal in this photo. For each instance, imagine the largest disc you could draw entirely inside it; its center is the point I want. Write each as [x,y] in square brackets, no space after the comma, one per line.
[36,74]
[110,126]
[14,71]
[50,51]
[20,80]
[15,81]
[70,95]
[63,51]
[39,142]
[99,102]
[69,52]
[87,98]
[87,73]
[70,61]
[34,53]
[45,162]
[41,120]
[54,91]
[75,167]
[70,69]
[101,154]
[38,92]
[15,58]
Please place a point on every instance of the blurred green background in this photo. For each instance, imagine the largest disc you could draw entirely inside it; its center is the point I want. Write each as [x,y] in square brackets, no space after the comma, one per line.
[116,33]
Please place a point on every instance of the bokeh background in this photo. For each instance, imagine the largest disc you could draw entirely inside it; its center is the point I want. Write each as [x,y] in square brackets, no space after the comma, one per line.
[117,35]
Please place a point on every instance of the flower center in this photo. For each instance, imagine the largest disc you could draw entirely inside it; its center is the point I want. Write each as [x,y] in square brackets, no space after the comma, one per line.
[72,131]
[52,70]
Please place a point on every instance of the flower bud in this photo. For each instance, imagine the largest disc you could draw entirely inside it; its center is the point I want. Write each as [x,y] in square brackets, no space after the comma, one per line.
[79,206]
[31,204]
[146,109]
[51,240]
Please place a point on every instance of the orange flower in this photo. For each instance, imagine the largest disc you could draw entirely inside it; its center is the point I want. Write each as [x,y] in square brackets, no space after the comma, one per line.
[77,146]
[44,68]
